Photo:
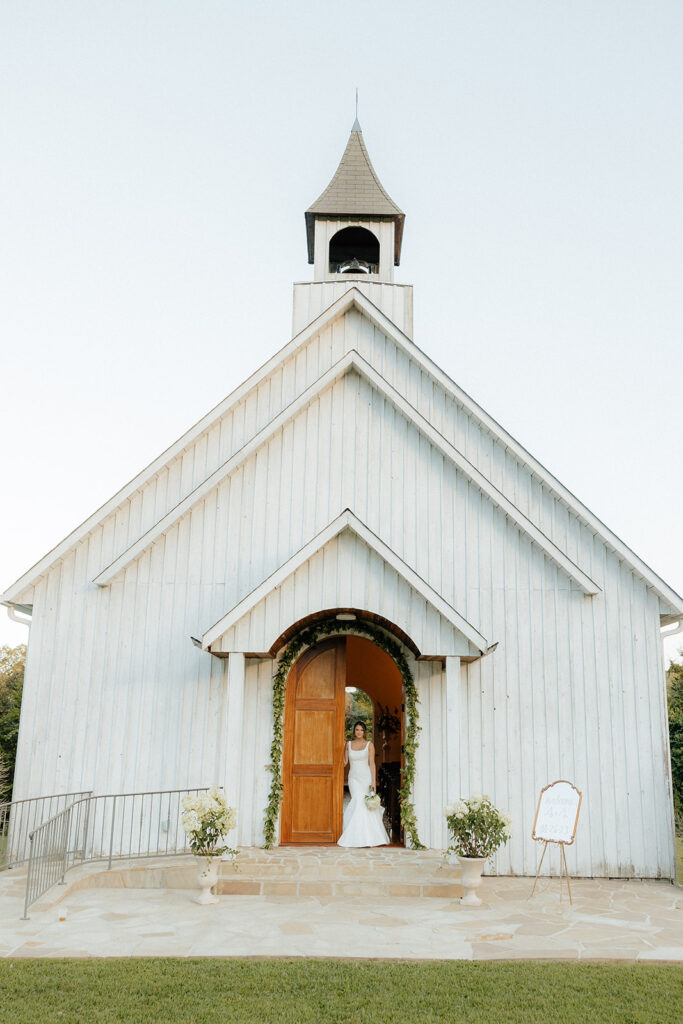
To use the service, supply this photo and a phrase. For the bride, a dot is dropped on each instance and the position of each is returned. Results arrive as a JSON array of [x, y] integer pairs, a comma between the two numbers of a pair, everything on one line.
[[362, 827]]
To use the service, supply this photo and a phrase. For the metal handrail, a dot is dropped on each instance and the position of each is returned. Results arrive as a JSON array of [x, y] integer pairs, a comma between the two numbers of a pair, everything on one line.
[[19, 818], [115, 826]]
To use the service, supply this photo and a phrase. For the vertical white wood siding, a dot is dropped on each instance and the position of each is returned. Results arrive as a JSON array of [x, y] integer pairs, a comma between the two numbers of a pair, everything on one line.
[[311, 298], [116, 696]]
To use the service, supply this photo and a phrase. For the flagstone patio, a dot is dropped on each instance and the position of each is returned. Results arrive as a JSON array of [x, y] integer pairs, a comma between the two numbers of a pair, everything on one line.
[[357, 909]]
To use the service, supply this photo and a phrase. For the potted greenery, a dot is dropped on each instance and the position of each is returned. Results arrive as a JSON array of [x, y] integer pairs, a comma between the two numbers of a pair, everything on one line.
[[476, 829], [206, 819]]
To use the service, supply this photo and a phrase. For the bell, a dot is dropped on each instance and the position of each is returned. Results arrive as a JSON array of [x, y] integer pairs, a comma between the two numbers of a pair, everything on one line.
[[354, 266]]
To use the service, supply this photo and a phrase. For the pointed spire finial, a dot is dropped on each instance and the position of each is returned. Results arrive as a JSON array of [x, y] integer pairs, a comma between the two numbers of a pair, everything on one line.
[[356, 123]]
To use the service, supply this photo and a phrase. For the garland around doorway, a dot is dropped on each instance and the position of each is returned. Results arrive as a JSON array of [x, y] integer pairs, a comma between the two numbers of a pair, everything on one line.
[[308, 638]]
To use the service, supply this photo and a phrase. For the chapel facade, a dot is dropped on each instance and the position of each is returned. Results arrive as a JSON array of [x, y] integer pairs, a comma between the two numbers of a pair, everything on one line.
[[350, 492]]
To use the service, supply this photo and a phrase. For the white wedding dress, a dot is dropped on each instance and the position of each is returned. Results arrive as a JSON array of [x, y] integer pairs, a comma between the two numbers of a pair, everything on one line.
[[362, 827]]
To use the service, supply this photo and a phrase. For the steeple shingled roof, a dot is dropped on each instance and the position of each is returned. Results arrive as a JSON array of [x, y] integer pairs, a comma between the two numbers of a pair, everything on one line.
[[355, 191]]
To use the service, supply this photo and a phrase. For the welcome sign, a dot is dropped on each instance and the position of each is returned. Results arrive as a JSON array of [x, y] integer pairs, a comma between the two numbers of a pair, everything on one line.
[[557, 813]]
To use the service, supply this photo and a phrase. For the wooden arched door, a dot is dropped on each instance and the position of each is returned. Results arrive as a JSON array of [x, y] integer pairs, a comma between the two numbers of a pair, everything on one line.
[[313, 754]]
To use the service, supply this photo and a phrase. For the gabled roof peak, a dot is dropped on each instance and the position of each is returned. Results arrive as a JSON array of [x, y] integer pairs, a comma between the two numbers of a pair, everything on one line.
[[355, 191]]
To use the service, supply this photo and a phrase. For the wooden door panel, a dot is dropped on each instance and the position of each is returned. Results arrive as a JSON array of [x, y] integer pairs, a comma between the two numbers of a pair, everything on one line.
[[312, 805], [317, 678], [312, 763], [314, 737]]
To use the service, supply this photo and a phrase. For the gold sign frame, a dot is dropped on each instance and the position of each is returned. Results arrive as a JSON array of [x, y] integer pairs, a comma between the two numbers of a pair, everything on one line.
[[558, 842]]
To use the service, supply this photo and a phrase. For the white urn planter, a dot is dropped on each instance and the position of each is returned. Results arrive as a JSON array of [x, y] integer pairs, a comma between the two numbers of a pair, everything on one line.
[[472, 868], [207, 879]]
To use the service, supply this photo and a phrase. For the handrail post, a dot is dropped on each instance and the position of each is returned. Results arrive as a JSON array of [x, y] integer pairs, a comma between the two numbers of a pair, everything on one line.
[[111, 837], [28, 877], [4, 830], [67, 833], [86, 829]]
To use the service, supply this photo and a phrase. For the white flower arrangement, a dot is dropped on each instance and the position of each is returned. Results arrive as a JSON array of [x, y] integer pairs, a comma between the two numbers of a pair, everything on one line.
[[456, 810], [206, 819], [372, 801], [476, 827]]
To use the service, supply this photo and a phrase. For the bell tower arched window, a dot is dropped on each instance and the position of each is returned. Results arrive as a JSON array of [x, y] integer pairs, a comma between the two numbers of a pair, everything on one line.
[[354, 250]]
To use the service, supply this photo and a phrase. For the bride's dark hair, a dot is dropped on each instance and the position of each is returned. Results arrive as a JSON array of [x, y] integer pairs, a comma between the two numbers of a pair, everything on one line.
[[363, 727]]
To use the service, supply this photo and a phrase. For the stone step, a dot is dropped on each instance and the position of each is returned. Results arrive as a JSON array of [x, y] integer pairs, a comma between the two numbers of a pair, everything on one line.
[[333, 889], [321, 872]]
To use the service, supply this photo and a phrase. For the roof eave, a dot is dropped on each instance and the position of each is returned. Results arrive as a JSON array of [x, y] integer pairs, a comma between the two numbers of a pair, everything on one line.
[[310, 235], [398, 238]]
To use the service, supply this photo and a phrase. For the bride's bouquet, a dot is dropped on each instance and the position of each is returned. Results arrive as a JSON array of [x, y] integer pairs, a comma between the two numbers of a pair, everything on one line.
[[372, 801]]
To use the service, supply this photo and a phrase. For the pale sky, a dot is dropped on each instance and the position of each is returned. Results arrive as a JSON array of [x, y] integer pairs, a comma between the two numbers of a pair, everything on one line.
[[156, 159]]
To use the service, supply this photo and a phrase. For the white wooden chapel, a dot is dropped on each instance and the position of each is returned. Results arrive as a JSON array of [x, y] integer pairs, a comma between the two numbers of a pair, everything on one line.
[[350, 476]]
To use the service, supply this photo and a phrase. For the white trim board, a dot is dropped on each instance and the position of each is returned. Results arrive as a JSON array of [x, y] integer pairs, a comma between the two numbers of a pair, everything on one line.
[[354, 361], [346, 521]]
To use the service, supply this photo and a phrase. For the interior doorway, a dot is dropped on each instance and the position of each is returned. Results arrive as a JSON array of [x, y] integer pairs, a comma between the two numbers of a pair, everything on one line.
[[372, 672], [315, 728]]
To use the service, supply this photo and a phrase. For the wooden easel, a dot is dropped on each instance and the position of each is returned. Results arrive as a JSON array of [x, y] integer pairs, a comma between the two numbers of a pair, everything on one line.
[[558, 820], [566, 871]]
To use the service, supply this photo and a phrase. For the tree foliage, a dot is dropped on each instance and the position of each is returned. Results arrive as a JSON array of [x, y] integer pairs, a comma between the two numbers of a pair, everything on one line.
[[359, 709], [674, 687], [12, 663]]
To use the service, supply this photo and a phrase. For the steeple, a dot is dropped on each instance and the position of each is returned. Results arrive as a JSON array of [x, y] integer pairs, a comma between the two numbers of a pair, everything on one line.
[[367, 224], [354, 232]]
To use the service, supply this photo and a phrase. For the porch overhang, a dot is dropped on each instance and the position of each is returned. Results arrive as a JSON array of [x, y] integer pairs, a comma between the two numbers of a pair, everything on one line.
[[346, 567]]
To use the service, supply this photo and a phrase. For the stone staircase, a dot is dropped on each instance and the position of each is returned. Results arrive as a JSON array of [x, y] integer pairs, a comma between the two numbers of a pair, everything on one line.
[[324, 872], [332, 873]]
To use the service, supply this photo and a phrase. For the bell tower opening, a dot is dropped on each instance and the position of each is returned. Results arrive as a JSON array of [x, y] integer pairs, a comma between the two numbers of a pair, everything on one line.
[[354, 251]]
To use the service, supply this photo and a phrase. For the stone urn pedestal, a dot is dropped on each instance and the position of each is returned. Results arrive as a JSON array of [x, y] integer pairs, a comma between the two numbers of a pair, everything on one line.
[[471, 868], [207, 879]]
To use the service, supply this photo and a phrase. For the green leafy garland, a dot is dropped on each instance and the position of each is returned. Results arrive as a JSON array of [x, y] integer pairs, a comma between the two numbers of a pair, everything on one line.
[[308, 638]]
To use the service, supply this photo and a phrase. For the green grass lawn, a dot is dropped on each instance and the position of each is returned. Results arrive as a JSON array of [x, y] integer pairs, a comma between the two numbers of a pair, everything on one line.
[[679, 858], [166, 991]]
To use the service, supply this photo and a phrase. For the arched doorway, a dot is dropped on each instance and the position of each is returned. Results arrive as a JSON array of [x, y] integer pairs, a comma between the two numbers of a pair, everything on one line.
[[314, 733]]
